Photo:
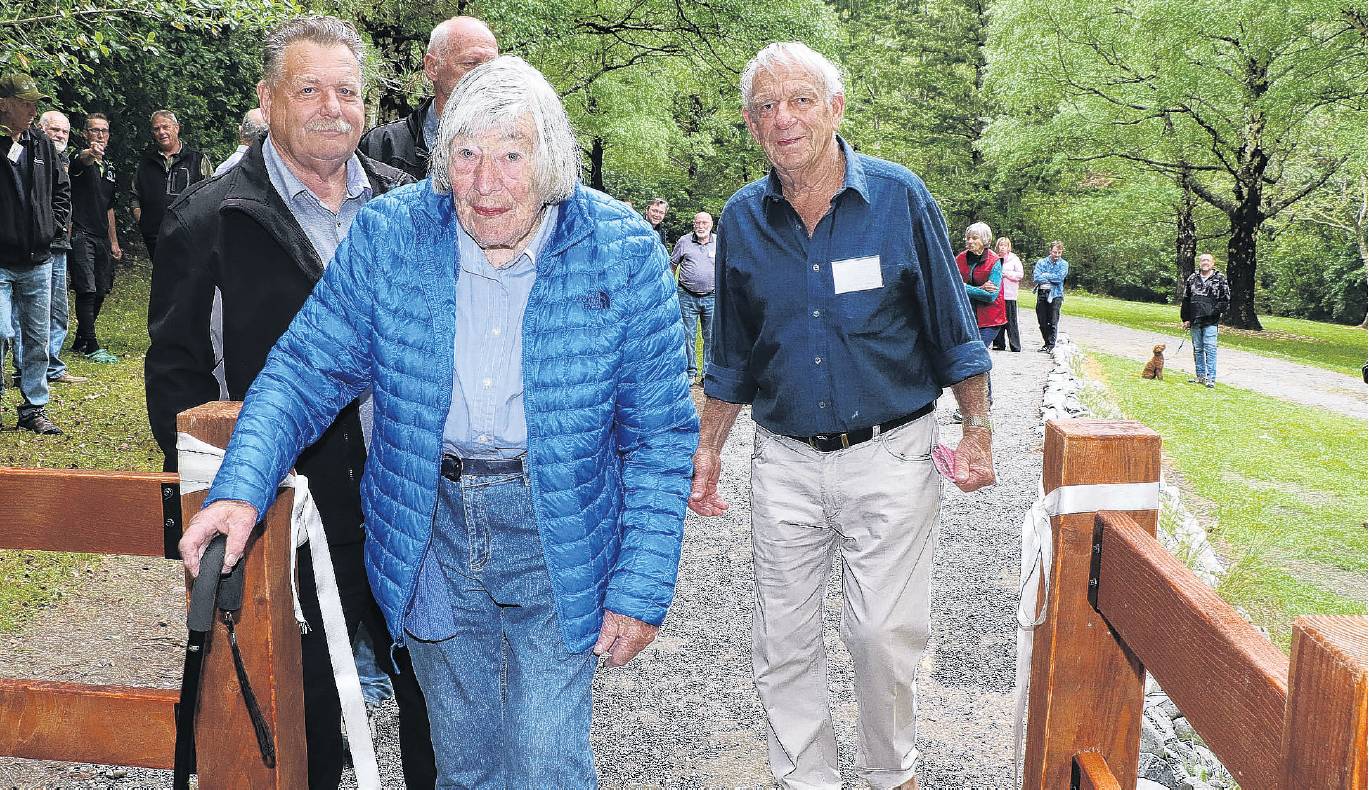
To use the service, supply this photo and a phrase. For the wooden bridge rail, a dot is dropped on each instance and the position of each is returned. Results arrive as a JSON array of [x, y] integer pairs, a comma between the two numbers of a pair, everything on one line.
[[1272, 724], [126, 513]]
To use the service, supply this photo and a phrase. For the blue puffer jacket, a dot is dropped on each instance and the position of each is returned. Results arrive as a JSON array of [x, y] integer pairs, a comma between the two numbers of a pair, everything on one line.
[[611, 428]]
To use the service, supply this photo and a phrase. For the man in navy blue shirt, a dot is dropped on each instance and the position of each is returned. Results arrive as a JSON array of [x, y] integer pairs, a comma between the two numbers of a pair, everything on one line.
[[840, 318]]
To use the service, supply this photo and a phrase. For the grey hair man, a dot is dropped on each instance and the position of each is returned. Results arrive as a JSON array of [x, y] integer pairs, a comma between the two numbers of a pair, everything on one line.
[[840, 318], [57, 127], [252, 128], [455, 46], [518, 529], [259, 238], [166, 169], [692, 264]]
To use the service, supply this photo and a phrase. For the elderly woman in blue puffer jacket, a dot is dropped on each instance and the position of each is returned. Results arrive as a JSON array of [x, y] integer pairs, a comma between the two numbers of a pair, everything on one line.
[[530, 460]]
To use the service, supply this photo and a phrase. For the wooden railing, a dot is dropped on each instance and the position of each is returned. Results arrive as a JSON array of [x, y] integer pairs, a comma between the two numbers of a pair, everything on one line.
[[1120, 605], [127, 513]]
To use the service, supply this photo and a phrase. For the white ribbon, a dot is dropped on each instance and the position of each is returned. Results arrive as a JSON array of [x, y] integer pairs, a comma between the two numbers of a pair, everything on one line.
[[1037, 549], [198, 463]]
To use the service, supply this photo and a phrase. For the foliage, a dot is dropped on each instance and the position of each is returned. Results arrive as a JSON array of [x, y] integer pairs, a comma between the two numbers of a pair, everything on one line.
[[1288, 497], [1248, 104]]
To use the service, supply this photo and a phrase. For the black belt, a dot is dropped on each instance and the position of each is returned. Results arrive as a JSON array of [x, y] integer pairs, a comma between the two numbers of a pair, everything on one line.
[[695, 293], [453, 467], [830, 442]]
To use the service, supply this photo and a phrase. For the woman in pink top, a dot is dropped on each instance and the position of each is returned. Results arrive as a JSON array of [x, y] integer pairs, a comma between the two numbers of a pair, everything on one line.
[[1012, 275]]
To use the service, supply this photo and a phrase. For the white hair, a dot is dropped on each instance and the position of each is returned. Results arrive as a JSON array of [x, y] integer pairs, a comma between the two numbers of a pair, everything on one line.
[[326, 31], [498, 96], [167, 114], [46, 118], [981, 231], [793, 53]]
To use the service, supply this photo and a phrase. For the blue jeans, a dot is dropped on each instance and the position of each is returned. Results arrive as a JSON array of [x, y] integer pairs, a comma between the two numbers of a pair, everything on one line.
[[57, 330], [1205, 351], [25, 311], [508, 703], [375, 684], [693, 310]]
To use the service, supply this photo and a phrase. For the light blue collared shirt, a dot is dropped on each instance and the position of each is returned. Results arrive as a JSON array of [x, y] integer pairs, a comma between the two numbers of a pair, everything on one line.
[[486, 418], [324, 229]]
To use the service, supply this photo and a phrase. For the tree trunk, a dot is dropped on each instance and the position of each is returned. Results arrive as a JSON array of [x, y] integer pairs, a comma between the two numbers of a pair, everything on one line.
[[1240, 273], [1185, 240], [596, 164]]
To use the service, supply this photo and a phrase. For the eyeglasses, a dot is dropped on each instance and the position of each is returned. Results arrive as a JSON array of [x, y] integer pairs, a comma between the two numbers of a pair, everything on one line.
[[97, 132]]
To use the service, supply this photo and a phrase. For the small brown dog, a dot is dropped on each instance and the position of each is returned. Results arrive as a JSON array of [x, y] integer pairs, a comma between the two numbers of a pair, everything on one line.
[[1155, 368]]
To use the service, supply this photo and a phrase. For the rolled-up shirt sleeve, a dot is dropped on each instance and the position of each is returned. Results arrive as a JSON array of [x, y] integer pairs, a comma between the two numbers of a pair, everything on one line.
[[727, 376], [954, 348]]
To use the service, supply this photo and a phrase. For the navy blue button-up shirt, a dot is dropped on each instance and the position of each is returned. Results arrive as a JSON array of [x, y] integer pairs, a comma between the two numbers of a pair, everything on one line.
[[865, 321]]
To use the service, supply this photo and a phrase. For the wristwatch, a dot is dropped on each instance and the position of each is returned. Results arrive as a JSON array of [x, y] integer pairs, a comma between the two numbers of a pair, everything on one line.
[[978, 421]]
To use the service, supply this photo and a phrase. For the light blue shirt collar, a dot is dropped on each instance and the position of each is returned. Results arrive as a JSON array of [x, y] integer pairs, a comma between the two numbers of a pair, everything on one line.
[[291, 187]]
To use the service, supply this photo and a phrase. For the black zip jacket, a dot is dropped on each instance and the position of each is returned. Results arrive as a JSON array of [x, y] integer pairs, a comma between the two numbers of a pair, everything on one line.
[[1205, 301], [29, 227], [235, 234], [400, 144], [156, 184]]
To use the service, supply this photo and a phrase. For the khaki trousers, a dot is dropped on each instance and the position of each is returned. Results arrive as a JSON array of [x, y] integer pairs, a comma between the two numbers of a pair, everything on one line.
[[876, 506]]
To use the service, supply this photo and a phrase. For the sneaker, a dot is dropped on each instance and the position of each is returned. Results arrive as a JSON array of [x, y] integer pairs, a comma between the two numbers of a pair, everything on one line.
[[102, 356], [67, 378], [1197, 380], [1210, 384], [36, 420]]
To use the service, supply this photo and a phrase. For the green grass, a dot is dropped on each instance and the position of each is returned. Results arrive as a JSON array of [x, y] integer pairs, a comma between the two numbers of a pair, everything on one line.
[[1287, 485], [105, 425], [1330, 346]]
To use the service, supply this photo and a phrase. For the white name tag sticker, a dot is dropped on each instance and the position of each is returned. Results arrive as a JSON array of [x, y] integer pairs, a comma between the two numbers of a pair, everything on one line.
[[16, 151], [857, 274]]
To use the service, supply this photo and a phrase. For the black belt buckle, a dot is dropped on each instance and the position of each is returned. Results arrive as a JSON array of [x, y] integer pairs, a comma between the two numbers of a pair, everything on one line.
[[451, 467]]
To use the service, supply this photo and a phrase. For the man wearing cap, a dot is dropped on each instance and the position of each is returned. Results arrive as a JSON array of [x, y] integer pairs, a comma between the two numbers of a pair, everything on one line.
[[35, 203], [455, 46], [166, 169]]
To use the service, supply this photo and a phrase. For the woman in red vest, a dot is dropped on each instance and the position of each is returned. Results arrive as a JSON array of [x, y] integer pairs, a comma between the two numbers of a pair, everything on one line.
[[982, 272]]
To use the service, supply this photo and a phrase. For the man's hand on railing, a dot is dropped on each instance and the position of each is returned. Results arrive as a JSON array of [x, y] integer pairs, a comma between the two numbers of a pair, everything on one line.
[[234, 519]]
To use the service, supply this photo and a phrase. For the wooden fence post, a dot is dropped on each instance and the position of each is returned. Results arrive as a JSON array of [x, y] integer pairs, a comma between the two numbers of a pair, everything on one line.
[[269, 639], [1087, 689], [1324, 726]]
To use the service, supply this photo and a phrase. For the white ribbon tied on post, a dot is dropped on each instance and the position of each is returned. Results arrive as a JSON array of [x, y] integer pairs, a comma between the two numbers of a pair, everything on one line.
[[198, 463], [1037, 549]]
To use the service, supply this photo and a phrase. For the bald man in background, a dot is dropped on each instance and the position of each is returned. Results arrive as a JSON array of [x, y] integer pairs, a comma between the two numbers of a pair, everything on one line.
[[455, 46]]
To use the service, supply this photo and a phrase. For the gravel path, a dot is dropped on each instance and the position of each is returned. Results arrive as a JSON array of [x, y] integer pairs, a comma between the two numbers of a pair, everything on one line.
[[1279, 378], [684, 714]]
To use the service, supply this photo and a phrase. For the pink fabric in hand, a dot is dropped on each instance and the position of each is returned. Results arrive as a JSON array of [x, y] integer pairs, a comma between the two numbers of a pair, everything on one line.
[[943, 457]]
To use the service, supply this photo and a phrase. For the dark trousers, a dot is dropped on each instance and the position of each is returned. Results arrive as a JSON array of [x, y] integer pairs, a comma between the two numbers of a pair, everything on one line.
[[322, 708], [90, 273], [1009, 329], [150, 241], [1048, 318]]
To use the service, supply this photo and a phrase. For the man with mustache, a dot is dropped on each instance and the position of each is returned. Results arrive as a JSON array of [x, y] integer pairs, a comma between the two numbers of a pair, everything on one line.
[[167, 168], [258, 238]]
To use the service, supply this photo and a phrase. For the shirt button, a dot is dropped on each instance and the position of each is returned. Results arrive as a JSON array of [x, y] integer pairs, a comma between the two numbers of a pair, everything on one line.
[[482, 438], [488, 383], [816, 267], [817, 313], [495, 331], [822, 404], [817, 360]]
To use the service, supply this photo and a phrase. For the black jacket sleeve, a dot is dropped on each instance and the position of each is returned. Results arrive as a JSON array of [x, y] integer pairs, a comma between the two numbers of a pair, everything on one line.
[[61, 196], [179, 371]]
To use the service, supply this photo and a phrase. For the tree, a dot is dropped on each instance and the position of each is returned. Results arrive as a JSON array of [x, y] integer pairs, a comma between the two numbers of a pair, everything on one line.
[[1243, 103]]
